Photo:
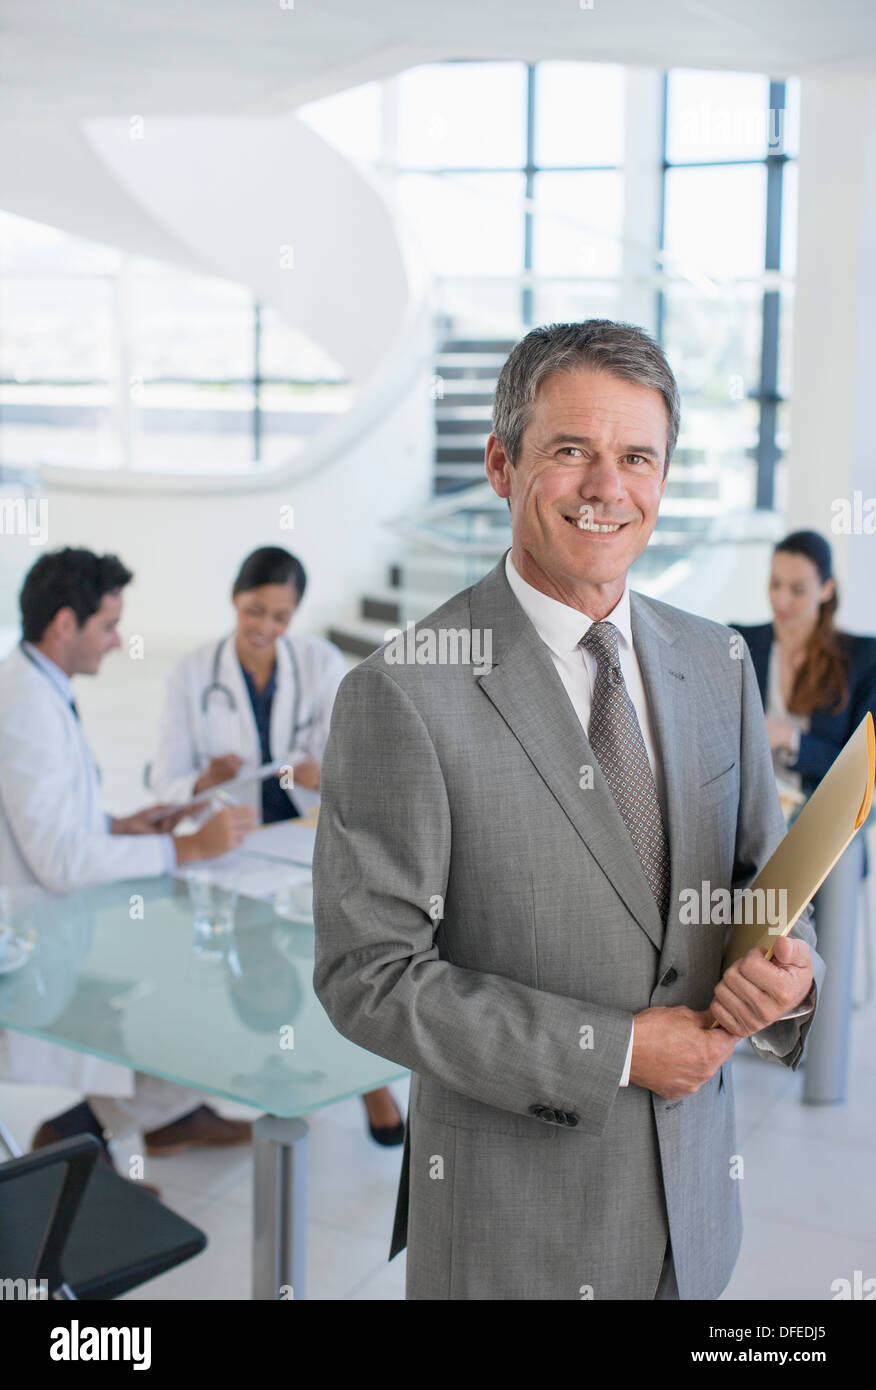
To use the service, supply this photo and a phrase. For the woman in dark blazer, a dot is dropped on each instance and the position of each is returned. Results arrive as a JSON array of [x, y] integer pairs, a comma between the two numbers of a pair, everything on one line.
[[816, 682]]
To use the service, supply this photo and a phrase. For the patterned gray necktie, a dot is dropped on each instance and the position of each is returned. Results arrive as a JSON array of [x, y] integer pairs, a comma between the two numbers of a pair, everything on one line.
[[616, 739]]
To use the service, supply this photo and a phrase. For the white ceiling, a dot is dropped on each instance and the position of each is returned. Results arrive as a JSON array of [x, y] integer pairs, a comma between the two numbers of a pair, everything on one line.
[[176, 57]]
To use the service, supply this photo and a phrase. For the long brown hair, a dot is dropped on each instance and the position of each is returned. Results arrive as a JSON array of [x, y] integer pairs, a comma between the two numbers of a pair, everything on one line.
[[822, 680]]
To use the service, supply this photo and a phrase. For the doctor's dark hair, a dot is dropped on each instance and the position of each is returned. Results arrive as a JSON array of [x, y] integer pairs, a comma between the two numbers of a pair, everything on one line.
[[621, 349], [68, 578], [270, 565]]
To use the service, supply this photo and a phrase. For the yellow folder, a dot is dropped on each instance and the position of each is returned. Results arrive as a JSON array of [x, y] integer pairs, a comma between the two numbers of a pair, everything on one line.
[[831, 818]]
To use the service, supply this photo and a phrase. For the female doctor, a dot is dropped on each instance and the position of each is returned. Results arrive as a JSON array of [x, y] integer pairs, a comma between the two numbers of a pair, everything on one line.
[[258, 695]]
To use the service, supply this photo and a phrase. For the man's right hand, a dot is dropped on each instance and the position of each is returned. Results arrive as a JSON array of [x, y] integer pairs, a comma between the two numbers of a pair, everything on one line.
[[676, 1050], [221, 833], [220, 770]]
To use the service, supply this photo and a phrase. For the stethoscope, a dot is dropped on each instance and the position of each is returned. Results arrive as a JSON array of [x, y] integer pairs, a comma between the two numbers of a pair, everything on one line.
[[216, 687]]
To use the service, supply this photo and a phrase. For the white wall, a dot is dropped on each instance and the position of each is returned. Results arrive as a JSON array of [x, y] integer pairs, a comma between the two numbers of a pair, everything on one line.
[[833, 443]]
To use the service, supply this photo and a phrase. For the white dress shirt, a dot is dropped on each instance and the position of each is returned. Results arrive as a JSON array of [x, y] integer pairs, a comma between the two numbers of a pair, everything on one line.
[[775, 706], [561, 629]]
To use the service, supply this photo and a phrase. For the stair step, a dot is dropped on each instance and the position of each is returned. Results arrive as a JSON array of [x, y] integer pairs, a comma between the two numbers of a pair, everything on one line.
[[360, 638], [395, 605], [470, 345], [456, 419], [469, 363], [463, 441]]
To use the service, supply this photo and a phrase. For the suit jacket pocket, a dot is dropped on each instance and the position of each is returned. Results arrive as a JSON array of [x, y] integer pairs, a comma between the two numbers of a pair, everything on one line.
[[712, 781]]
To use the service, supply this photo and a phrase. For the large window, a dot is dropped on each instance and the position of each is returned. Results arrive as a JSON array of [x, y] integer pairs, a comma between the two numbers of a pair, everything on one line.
[[559, 190], [510, 176], [111, 361], [729, 223]]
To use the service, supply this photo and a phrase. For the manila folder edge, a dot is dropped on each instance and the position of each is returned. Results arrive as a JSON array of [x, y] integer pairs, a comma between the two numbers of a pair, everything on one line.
[[834, 813]]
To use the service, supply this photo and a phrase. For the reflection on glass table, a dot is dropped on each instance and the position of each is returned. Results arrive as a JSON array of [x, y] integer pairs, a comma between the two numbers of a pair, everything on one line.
[[122, 971]]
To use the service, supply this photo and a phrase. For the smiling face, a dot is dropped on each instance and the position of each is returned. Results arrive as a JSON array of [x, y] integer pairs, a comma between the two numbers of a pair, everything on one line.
[[587, 485], [263, 615]]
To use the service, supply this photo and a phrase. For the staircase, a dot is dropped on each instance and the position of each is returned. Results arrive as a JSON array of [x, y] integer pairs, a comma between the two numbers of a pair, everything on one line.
[[460, 536]]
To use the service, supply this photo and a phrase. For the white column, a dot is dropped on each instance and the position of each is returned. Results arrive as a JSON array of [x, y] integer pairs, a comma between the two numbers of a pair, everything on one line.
[[833, 406]]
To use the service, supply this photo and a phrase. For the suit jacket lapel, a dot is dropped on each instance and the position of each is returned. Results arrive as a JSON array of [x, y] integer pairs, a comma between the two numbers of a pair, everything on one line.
[[525, 688]]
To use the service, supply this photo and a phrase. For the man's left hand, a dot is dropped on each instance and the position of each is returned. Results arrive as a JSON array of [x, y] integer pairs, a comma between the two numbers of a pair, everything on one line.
[[755, 992]]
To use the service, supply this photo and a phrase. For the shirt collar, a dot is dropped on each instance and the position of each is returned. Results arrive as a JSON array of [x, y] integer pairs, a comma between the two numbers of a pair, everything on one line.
[[59, 678], [559, 626]]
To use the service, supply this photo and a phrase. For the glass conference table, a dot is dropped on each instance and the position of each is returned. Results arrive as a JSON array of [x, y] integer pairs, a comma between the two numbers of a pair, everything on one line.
[[118, 971]]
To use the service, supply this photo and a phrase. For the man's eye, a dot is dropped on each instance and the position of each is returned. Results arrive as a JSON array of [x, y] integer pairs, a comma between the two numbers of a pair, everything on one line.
[[638, 458], [570, 449]]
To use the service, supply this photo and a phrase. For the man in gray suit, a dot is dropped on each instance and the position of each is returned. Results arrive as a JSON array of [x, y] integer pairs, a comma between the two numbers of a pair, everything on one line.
[[508, 847]]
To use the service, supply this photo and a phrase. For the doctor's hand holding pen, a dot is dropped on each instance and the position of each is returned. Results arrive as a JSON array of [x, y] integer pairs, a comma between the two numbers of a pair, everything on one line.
[[223, 832]]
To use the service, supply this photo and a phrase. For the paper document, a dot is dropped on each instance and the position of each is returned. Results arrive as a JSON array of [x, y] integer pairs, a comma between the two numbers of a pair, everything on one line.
[[243, 779], [251, 875], [288, 841], [832, 816]]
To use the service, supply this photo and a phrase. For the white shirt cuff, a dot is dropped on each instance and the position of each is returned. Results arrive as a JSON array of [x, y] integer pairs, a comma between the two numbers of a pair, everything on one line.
[[625, 1077]]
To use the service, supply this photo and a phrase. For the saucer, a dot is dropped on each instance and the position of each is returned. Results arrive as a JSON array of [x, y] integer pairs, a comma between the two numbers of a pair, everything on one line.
[[14, 957]]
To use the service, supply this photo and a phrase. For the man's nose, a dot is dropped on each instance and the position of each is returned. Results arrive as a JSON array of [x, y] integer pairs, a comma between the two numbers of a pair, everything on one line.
[[602, 482]]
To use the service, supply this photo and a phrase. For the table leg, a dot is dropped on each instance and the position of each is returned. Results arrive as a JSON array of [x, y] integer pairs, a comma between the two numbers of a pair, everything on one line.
[[279, 1208]]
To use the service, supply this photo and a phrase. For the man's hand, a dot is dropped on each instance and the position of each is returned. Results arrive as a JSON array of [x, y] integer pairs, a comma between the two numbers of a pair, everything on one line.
[[676, 1051], [220, 770], [223, 832], [756, 992], [151, 821]]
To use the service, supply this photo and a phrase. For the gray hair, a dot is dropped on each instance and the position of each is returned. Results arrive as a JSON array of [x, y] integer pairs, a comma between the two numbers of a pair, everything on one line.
[[619, 348]]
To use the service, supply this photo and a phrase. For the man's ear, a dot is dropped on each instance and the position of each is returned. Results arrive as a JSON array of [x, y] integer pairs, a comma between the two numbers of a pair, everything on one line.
[[63, 625]]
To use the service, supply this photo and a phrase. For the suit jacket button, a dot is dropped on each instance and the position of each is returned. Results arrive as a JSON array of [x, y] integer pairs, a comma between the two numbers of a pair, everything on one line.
[[670, 977], [549, 1116], [536, 1110], [572, 1120]]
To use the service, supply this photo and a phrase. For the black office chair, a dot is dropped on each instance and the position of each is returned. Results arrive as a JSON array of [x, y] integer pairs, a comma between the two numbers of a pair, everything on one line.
[[73, 1221]]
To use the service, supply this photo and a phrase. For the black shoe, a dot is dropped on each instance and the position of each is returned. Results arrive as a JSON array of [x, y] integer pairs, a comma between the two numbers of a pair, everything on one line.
[[387, 1135]]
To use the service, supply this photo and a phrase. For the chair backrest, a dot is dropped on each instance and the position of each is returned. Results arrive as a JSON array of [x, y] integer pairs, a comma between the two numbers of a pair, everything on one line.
[[40, 1194]]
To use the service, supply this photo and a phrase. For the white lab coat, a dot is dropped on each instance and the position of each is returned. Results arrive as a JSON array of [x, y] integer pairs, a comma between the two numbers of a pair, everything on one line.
[[53, 835], [189, 736]]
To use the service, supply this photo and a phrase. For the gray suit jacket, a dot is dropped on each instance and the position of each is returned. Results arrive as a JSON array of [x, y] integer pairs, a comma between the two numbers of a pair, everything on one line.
[[483, 919]]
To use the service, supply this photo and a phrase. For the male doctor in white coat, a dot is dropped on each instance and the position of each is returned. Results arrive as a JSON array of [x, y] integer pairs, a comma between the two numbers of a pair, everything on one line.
[[55, 834]]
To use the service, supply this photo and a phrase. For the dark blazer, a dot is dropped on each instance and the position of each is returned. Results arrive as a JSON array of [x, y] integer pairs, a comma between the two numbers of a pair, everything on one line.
[[828, 732]]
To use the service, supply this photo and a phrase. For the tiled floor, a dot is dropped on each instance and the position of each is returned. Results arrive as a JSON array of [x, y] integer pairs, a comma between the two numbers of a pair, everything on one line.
[[808, 1193]]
